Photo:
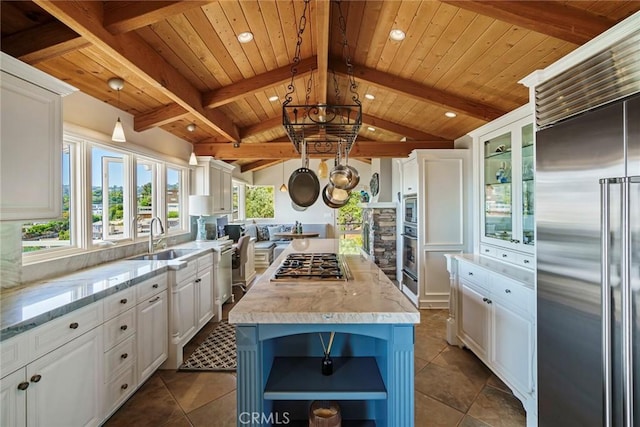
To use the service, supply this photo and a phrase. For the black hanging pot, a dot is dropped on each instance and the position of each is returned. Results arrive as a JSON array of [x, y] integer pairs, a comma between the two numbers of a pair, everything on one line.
[[304, 186]]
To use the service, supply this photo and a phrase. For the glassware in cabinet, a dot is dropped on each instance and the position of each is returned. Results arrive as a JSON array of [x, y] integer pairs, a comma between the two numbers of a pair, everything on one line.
[[498, 222], [528, 188]]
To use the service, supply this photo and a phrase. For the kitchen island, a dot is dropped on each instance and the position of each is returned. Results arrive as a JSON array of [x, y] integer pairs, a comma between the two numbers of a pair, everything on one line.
[[278, 329]]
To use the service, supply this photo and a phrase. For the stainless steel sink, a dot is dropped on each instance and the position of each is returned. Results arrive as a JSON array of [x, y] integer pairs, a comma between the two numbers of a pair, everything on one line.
[[164, 255]]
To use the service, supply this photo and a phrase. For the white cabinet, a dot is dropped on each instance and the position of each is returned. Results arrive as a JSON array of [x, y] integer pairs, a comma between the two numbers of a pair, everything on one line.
[[474, 318], [61, 388], [505, 159], [153, 334], [213, 177], [191, 305], [443, 181], [30, 142], [409, 176], [493, 315], [66, 384], [204, 290]]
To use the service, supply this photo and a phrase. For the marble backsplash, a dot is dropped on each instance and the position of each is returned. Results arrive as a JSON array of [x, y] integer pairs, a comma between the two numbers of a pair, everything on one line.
[[13, 273]]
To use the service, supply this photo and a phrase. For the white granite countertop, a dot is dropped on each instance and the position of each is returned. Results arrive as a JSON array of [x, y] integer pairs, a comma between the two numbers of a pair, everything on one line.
[[369, 297], [522, 275], [25, 307]]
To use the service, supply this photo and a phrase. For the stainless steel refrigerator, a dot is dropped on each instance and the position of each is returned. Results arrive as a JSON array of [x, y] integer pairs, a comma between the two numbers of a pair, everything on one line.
[[588, 266]]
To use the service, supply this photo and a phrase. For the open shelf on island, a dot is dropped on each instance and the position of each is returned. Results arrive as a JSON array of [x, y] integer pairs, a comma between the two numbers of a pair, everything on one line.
[[300, 378]]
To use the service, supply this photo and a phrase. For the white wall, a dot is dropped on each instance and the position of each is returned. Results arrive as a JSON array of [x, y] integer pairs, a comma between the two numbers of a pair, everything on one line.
[[316, 213], [82, 110]]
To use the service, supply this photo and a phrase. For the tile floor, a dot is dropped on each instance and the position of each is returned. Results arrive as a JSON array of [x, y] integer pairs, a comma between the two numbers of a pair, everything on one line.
[[452, 388]]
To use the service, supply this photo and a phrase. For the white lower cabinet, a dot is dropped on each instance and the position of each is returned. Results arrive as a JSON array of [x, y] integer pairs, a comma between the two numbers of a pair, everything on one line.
[[62, 388], [493, 315], [191, 305], [474, 318], [153, 333]]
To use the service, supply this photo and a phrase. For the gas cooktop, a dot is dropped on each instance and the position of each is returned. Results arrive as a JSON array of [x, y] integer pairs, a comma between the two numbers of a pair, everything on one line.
[[311, 266]]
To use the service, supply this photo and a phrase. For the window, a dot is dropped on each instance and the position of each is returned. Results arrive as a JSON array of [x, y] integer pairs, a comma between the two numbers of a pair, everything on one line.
[[123, 192], [145, 196], [259, 201], [108, 195], [174, 200], [58, 233]]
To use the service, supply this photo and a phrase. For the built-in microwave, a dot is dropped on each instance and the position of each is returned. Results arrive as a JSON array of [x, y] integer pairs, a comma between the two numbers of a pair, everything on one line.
[[411, 210]]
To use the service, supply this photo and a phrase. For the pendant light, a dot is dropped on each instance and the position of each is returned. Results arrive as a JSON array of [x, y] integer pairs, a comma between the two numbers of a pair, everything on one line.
[[116, 83], [193, 161], [283, 187], [323, 170]]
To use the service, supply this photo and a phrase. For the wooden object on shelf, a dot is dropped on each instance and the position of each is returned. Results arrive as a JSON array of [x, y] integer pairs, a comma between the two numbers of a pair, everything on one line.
[[324, 413]]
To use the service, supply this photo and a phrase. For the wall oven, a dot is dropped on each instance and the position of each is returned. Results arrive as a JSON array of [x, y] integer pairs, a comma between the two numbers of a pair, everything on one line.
[[410, 262]]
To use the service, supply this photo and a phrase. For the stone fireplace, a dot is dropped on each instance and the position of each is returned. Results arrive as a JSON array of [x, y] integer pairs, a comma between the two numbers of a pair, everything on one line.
[[380, 235]]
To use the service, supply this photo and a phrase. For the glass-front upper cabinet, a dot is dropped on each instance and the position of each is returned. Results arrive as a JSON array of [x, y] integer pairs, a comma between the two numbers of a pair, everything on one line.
[[507, 163], [498, 165], [528, 167]]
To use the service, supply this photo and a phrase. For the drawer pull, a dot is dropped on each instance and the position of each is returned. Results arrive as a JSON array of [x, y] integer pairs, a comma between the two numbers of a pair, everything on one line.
[[485, 299], [36, 378], [155, 286], [507, 291], [489, 301], [504, 255], [123, 301], [23, 385], [123, 327], [74, 325], [470, 273], [198, 280], [487, 250], [154, 300], [124, 386], [526, 261], [124, 355]]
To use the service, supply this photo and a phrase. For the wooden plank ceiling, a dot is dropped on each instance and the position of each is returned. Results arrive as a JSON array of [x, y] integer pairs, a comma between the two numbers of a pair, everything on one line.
[[182, 63]]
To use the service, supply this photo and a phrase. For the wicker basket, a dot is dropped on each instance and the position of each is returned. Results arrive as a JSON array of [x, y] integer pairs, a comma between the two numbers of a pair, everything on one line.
[[324, 413]]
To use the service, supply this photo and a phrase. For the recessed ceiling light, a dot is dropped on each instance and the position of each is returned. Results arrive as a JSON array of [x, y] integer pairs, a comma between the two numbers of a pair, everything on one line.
[[273, 98], [245, 37], [369, 96], [397, 35], [371, 128], [191, 127], [450, 114]]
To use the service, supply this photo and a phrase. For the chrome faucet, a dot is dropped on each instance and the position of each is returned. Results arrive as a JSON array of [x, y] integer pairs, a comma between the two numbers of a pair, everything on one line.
[[151, 242]]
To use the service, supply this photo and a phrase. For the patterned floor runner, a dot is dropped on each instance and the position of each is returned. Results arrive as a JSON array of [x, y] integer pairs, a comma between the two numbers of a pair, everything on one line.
[[216, 353]]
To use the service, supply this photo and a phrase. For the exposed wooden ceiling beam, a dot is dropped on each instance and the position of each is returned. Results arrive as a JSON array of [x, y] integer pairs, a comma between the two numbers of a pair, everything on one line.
[[85, 18], [258, 165], [248, 87], [322, 21], [286, 150], [379, 123], [263, 126], [158, 117], [420, 92], [124, 16], [43, 42], [553, 18]]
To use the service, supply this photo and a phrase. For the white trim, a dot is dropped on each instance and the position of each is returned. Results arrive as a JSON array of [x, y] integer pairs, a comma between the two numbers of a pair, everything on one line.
[[505, 120]]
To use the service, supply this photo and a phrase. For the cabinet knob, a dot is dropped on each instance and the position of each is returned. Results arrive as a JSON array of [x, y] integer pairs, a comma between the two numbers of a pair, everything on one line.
[[23, 385], [489, 301], [124, 386], [124, 355], [36, 378], [123, 301], [198, 280], [485, 299], [504, 255], [507, 291], [155, 286], [470, 273], [526, 261], [123, 327], [486, 250], [74, 325]]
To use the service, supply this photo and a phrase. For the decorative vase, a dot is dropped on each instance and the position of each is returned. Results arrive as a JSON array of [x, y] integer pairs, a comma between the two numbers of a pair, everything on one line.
[[327, 365]]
